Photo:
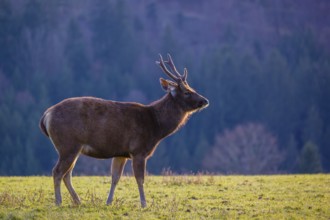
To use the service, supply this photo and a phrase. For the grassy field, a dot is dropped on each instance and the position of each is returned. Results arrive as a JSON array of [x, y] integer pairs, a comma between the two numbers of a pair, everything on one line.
[[172, 197]]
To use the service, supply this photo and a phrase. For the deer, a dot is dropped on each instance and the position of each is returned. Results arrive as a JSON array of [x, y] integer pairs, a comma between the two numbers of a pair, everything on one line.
[[122, 131]]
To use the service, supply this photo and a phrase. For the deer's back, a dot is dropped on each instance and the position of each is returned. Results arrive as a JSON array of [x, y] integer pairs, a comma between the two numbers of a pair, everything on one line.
[[99, 124]]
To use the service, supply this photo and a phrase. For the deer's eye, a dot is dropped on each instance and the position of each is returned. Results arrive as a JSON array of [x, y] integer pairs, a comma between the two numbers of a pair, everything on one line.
[[187, 94]]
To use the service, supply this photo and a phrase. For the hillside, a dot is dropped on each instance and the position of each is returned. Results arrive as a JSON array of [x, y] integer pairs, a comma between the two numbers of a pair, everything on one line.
[[262, 64]]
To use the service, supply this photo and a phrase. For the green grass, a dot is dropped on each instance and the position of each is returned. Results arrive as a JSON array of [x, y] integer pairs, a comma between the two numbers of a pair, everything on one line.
[[172, 197]]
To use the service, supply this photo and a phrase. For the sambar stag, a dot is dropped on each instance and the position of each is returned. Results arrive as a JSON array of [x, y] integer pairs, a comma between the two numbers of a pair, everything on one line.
[[120, 130]]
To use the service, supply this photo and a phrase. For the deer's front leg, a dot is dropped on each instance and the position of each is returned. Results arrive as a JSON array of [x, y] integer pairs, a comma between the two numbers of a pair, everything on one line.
[[139, 166]]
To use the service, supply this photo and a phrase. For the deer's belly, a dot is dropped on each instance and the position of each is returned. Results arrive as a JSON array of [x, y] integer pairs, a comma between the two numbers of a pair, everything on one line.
[[103, 153]]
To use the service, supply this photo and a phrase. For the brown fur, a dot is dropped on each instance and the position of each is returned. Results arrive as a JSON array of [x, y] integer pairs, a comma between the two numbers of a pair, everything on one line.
[[108, 129]]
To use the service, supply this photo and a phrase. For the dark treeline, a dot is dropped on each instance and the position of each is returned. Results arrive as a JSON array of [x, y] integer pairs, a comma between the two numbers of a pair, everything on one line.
[[264, 65]]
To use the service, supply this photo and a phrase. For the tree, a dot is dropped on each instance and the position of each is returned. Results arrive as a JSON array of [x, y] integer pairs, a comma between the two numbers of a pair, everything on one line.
[[75, 52], [277, 108], [169, 44], [8, 38], [33, 15], [309, 160], [247, 149], [312, 127], [114, 47], [291, 154]]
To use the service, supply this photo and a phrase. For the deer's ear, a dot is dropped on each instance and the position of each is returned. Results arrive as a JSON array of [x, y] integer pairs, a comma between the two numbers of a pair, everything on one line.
[[168, 86]]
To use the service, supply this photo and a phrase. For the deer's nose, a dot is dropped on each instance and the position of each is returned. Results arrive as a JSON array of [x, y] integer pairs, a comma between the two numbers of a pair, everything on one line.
[[203, 103]]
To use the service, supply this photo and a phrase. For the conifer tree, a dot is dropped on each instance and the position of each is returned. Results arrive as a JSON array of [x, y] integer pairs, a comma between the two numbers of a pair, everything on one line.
[[309, 160]]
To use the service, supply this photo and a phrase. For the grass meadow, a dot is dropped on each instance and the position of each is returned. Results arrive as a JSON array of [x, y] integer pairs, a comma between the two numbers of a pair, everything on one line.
[[172, 197]]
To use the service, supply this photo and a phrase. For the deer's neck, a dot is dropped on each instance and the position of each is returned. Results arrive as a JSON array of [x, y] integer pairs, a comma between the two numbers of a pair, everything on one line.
[[168, 115]]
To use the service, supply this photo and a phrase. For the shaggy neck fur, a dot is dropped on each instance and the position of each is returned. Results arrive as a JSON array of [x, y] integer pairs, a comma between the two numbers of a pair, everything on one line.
[[169, 115]]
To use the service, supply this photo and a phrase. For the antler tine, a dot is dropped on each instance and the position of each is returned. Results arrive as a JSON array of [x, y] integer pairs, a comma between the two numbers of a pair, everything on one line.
[[185, 75], [171, 63], [165, 70]]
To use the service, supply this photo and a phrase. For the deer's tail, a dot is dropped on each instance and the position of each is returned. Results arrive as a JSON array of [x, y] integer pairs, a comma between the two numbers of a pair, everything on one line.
[[42, 125]]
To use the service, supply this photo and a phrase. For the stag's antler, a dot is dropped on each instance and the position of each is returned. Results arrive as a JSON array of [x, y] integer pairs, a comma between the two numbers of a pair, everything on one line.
[[177, 77], [185, 72], [165, 70]]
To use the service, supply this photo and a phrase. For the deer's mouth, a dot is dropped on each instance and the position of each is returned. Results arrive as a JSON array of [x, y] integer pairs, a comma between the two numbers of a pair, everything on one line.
[[202, 104]]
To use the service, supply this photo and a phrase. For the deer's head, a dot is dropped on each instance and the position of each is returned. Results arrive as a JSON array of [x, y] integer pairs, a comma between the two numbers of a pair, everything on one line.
[[188, 99]]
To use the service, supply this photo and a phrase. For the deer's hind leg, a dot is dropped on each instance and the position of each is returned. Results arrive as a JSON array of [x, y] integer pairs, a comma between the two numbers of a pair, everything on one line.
[[117, 167], [63, 169], [68, 184]]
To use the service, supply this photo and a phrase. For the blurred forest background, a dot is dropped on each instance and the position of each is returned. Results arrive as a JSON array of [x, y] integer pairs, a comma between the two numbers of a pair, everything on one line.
[[264, 66]]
